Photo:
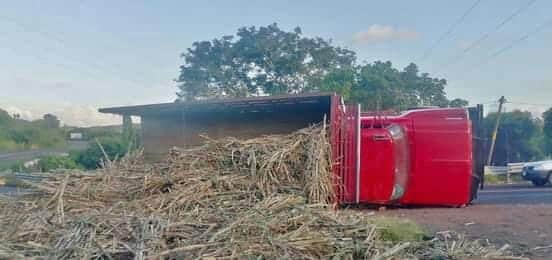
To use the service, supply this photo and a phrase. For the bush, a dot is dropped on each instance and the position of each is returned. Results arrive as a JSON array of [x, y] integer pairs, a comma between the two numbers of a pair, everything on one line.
[[19, 167], [49, 163], [92, 157]]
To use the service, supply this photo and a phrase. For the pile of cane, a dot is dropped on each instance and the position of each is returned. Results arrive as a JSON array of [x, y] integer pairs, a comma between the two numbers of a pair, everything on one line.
[[264, 198]]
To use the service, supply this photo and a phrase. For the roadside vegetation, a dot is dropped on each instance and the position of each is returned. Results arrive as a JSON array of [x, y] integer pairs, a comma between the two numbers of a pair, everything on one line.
[[17, 134], [92, 158], [97, 152], [501, 179], [521, 136], [50, 163]]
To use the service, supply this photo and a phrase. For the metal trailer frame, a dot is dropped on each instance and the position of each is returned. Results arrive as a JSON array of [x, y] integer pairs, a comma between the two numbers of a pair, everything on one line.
[[345, 141]]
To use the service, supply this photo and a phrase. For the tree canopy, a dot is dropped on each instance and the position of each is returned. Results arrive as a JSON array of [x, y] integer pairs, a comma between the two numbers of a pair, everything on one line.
[[258, 60], [379, 85], [268, 60], [518, 137], [547, 131]]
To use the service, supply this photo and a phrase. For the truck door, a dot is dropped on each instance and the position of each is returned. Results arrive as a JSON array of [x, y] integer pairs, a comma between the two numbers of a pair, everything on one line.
[[384, 164]]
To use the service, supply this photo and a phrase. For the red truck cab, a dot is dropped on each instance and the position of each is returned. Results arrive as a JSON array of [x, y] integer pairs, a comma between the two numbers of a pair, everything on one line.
[[420, 157], [385, 164]]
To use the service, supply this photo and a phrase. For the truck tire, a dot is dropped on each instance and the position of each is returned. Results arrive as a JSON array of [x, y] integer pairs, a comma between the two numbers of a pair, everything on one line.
[[540, 182]]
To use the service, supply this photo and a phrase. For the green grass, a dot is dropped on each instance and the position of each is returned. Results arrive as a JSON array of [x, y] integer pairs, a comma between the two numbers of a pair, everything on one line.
[[494, 179], [501, 179], [399, 230], [7, 165]]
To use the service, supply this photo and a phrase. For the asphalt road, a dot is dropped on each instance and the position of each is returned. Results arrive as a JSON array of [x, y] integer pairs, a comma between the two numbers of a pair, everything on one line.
[[515, 194]]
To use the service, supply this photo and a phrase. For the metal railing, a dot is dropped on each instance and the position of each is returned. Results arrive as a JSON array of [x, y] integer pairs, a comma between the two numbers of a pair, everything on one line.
[[512, 168], [509, 170], [515, 168]]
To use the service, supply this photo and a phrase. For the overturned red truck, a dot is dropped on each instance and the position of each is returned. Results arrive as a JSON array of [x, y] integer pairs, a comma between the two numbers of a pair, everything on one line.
[[422, 156]]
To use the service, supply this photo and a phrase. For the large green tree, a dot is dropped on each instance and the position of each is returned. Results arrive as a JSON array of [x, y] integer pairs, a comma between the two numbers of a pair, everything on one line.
[[379, 85], [547, 131], [458, 102], [268, 61], [264, 60], [516, 138]]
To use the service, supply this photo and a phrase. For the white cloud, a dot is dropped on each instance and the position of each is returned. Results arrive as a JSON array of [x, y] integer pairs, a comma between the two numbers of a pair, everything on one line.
[[72, 115], [382, 33], [85, 116], [24, 114]]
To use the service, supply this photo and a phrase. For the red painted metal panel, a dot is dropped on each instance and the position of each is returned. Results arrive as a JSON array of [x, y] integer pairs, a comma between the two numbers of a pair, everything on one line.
[[442, 158], [440, 155], [378, 165], [344, 122], [385, 164], [431, 162]]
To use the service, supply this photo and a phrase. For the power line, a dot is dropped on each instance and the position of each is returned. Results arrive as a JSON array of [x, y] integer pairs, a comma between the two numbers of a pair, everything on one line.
[[487, 34], [450, 30], [28, 28], [33, 29], [59, 65], [530, 104], [514, 42]]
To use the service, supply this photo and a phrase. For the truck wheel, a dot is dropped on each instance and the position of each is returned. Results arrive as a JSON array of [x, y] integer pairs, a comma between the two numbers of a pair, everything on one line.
[[539, 182]]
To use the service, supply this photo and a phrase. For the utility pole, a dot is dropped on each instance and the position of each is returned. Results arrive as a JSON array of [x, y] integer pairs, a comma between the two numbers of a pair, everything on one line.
[[501, 102]]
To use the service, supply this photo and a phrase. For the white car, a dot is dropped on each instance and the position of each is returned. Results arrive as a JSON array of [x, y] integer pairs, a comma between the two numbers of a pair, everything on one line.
[[539, 173]]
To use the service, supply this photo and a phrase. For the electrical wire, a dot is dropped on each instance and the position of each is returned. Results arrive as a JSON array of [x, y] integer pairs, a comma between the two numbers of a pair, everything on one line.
[[530, 104], [514, 43], [450, 30], [486, 35], [34, 29]]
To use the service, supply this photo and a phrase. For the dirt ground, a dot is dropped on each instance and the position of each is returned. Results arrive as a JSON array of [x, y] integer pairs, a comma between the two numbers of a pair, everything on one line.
[[525, 227]]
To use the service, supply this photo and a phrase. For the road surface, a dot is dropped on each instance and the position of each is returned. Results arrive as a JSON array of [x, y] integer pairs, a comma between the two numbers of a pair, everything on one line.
[[515, 194], [519, 215]]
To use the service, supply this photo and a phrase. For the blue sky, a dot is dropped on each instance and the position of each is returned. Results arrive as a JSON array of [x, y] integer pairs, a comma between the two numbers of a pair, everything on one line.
[[70, 57]]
